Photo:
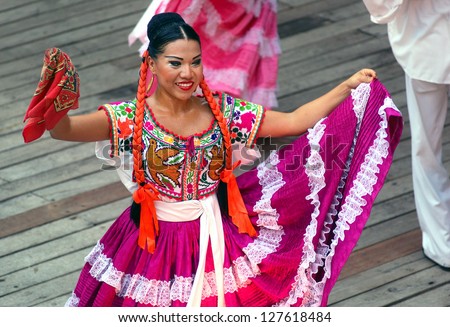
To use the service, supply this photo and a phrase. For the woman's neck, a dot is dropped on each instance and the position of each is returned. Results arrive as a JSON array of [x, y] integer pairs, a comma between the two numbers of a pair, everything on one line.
[[164, 102]]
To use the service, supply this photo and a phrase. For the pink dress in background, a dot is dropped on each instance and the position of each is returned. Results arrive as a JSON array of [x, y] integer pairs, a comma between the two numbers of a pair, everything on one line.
[[240, 43]]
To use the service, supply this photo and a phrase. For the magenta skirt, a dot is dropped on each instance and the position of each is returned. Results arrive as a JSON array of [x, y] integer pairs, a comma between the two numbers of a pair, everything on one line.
[[309, 202]]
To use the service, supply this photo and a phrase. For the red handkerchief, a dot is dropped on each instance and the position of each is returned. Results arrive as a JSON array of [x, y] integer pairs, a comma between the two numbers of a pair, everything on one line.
[[57, 93]]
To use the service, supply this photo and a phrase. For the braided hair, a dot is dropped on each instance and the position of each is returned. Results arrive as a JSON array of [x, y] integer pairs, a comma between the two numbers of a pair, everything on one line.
[[163, 29]]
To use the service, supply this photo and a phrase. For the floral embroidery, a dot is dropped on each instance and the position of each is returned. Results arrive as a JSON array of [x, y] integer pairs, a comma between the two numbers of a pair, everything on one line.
[[124, 128], [126, 110], [163, 169], [246, 120], [148, 126], [168, 139], [216, 163], [178, 169]]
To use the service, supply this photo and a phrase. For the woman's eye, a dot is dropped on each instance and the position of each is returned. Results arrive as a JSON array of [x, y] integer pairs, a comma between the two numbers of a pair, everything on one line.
[[197, 62], [175, 63]]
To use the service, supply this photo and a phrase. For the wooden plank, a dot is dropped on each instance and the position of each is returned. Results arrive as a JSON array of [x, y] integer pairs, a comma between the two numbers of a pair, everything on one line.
[[74, 28], [32, 63], [86, 63], [43, 146], [392, 292], [20, 275], [75, 152], [60, 228], [11, 126], [39, 273], [315, 79], [84, 183], [40, 13], [318, 34], [434, 297], [297, 69], [345, 12], [392, 208], [82, 240], [401, 185], [290, 101], [298, 10], [12, 5], [32, 11], [382, 252], [370, 279], [63, 208], [58, 301], [374, 233], [319, 48], [403, 167], [91, 83], [21, 203], [33, 296], [54, 184]]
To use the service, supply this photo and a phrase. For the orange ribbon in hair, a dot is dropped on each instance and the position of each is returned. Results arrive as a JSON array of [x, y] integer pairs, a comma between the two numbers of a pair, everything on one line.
[[148, 225], [236, 206]]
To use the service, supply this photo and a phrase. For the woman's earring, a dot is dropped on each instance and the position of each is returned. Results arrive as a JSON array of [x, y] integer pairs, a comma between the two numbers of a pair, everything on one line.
[[151, 83]]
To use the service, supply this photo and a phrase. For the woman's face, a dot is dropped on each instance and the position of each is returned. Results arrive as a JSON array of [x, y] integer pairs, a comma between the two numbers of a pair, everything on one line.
[[179, 68]]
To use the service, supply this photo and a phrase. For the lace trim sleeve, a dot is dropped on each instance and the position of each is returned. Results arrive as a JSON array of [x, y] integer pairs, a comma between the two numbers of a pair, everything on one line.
[[245, 120]]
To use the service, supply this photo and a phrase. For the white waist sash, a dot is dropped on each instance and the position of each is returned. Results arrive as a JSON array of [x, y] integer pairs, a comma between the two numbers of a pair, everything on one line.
[[210, 228]]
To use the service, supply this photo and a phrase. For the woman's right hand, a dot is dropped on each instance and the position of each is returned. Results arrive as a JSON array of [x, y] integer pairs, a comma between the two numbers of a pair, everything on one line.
[[365, 75]]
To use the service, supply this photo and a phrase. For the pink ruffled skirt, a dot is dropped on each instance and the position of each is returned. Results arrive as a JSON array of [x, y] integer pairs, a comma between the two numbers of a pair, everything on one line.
[[309, 202]]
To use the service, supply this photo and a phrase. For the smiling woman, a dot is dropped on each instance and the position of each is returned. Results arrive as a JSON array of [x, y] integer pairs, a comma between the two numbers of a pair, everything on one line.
[[280, 233], [240, 43], [185, 72]]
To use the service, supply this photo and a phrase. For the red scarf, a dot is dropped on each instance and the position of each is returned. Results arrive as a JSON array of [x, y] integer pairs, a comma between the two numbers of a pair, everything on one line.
[[57, 93]]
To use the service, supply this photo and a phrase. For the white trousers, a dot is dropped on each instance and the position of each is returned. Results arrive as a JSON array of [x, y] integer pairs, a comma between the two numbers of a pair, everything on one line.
[[427, 108]]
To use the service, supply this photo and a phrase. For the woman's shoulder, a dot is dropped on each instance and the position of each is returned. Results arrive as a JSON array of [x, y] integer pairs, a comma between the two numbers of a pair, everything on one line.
[[118, 105], [120, 109]]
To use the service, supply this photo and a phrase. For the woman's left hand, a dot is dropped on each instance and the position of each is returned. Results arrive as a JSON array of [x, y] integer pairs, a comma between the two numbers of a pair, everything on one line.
[[365, 75]]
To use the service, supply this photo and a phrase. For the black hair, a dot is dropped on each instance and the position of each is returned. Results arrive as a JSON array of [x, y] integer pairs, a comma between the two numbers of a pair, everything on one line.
[[162, 29], [167, 27]]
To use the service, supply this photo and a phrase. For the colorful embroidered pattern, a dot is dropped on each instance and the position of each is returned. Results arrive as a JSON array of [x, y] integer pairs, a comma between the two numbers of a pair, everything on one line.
[[246, 119], [183, 168]]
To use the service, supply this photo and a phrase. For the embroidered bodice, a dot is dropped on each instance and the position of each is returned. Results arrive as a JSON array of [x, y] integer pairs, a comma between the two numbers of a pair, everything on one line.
[[181, 168]]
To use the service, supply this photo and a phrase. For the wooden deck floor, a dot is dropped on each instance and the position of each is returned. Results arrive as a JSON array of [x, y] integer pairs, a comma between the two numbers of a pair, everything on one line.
[[55, 201]]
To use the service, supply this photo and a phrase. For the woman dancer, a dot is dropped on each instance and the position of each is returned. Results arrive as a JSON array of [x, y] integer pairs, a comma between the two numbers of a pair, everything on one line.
[[288, 224]]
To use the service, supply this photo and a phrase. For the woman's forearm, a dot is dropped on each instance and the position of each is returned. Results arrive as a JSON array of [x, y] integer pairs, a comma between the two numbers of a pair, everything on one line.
[[82, 128], [311, 112], [279, 124]]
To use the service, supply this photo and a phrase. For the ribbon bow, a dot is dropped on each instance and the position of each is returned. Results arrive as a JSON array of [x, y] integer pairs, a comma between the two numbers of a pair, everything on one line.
[[236, 206], [148, 225]]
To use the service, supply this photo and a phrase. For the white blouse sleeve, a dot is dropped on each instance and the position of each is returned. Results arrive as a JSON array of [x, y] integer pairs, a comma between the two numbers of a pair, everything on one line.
[[383, 11]]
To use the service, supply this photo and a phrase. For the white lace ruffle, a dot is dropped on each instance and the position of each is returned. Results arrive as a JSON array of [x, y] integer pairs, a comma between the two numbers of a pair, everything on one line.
[[269, 236], [162, 293], [305, 287], [72, 301]]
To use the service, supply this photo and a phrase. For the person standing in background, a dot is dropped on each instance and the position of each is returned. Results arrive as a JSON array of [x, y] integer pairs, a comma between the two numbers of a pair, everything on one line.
[[239, 39], [419, 34]]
